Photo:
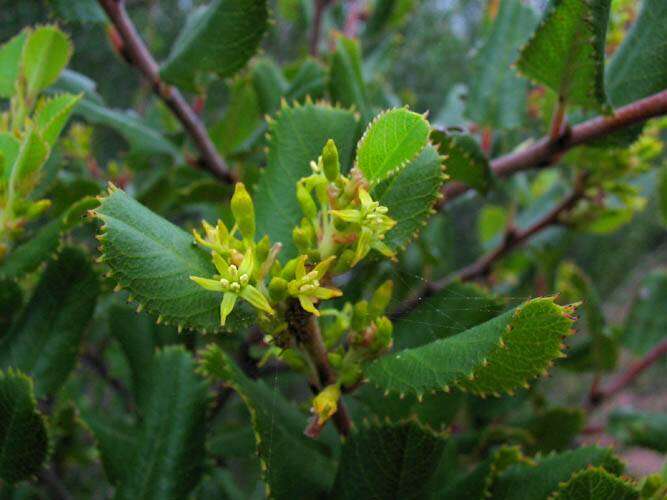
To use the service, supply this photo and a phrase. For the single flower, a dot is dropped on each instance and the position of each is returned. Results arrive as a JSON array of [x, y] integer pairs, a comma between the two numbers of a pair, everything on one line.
[[325, 404], [234, 282], [306, 285]]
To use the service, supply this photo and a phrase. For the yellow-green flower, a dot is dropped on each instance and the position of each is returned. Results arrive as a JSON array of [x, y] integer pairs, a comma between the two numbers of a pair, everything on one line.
[[234, 282], [306, 285], [325, 404], [374, 222], [216, 238]]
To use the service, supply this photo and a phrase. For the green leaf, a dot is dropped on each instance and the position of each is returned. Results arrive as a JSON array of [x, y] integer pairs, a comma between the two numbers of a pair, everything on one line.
[[522, 481], [9, 150], [52, 115], [45, 339], [309, 80], [168, 453], [24, 173], [388, 461], [292, 465], [346, 82], [241, 119], [11, 300], [599, 352], [390, 142], [662, 193], [153, 259], [497, 356], [23, 440], [80, 11], [596, 483], [44, 243], [10, 64], [635, 428], [556, 428], [269, 84], [218, 38], [141, 137], [410, 196], [566, 52], [115, 440], [497, 95], [646, 324], [465, 162], [445, 314], [639, 66], [45, 54], [476, 484], [297, 136], [434, 411], [138, 336]]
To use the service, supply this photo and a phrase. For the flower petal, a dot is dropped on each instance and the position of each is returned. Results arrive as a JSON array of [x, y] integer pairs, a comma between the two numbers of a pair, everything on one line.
[[348, 215], [308, 305], [300, 270], [256, 299], [248, 263], [326, 293], [322, 268], [226, 306], [220, 264], [213, 285]]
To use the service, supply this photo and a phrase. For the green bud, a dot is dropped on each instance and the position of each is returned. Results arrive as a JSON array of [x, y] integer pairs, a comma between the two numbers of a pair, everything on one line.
[[380, 299], [335, 359], [278, 289], [306, 201], [344, 262], [360, 315], [262, 249], [303, 236], [383, 333], [243, 211], [288, 271], [330, 163], [293, 359], [351, 374]]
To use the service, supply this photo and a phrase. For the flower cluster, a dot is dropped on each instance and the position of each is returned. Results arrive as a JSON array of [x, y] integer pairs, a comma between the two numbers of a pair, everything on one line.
[[341, 225]]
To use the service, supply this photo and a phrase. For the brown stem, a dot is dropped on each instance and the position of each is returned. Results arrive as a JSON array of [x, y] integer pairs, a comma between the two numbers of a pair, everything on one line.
[[320, 7], [129, 42], [307, 331], [557, 121], [482, 266], [628, 377], [545, 151]]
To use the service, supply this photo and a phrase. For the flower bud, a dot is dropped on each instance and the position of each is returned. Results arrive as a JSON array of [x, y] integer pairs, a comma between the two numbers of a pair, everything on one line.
[[325, 403], [380, 299], [344, 262], [351, 374], [306, 201], [303, 236], [335, 359], [278, 289], [360, 315], [330, 162], [243, 211], [383, 333]]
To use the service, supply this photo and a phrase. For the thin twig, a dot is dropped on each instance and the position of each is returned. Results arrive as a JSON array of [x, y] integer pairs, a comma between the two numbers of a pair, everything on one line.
[[628, 376], [482, 266], [132, 47], [307, 331], [557, 122], [545, 152], [318, 18]]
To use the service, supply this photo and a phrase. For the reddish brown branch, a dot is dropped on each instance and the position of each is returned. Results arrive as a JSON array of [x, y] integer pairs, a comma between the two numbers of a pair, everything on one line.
[[547, 151], [482, 266], [318, 18], [628, 376], [305, 328], [127, 40]]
